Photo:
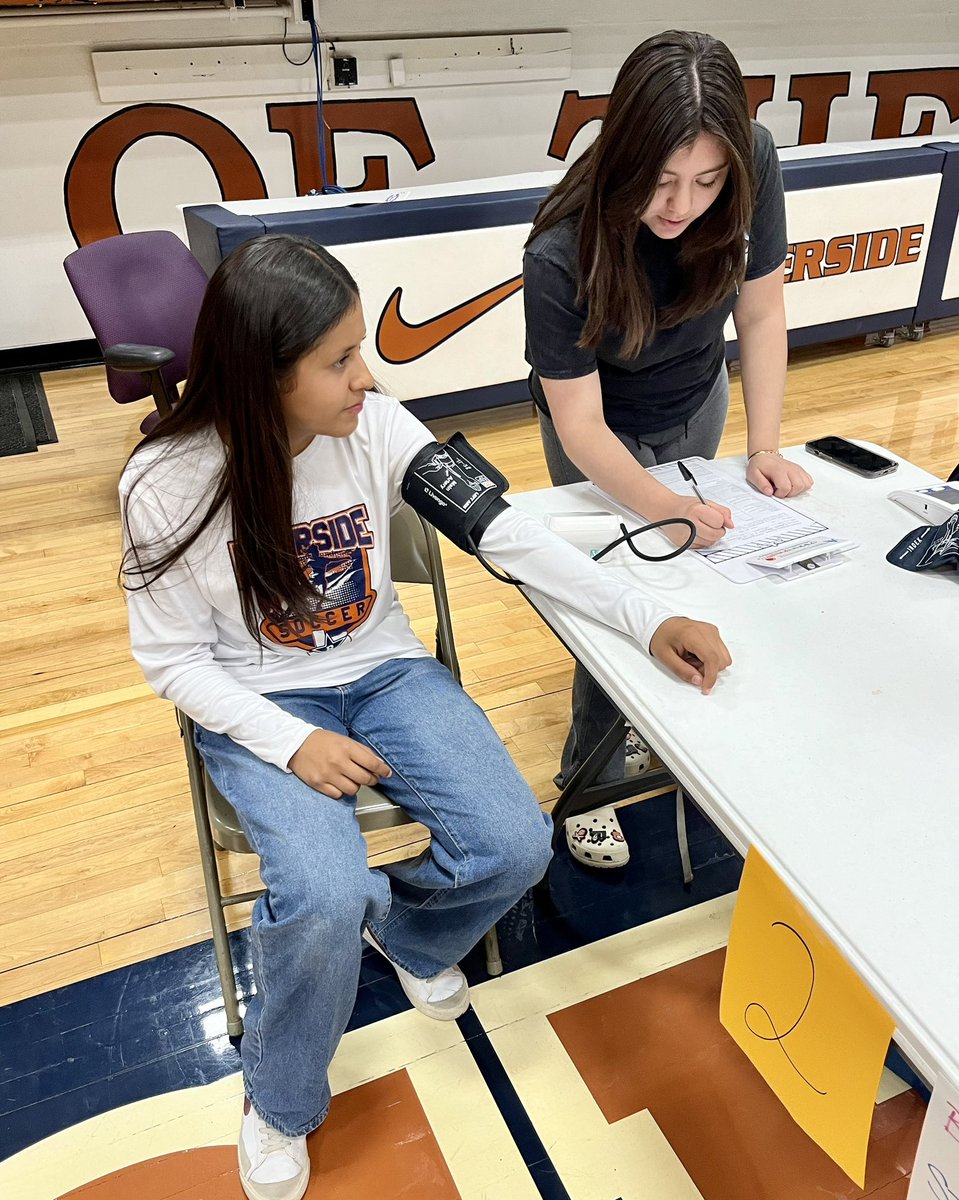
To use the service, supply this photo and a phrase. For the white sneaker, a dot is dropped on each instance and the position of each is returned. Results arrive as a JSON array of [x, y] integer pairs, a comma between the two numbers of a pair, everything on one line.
[[272, 1165], [444, 997]]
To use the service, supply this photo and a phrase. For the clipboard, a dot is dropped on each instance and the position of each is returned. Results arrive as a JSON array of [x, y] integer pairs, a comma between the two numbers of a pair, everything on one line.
[[765, 525]]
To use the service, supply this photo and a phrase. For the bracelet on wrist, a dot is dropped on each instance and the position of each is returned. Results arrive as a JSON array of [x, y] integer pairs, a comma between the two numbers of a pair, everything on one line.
[[755, 453]]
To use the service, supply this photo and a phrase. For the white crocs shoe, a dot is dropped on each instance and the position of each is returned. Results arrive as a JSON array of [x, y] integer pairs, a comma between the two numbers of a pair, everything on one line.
[[637, 755], [272, 1165], [596, 839], [444, 997]]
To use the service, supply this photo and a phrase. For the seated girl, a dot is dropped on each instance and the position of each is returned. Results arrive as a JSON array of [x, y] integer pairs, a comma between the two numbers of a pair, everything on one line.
[[257, 566]]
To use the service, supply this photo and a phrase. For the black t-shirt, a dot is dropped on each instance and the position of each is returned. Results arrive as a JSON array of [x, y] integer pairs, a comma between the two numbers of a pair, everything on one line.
[[673, 373]]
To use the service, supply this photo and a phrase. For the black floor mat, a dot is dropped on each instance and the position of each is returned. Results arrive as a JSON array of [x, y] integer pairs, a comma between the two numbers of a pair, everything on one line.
[[25, 421]]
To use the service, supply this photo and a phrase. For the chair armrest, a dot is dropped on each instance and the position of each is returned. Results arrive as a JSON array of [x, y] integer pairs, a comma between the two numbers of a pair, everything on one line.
[[126, 356]]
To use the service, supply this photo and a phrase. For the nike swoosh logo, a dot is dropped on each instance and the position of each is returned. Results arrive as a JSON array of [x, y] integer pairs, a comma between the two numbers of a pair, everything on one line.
[[400, 341]]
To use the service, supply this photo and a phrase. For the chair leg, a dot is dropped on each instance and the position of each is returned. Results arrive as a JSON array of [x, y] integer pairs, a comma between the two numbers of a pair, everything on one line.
[[681, 836], [214, 894], [221, 943], [494, 964]]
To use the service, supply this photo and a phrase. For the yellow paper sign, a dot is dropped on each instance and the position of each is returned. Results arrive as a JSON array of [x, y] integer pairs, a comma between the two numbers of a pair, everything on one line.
[[803, 1017]]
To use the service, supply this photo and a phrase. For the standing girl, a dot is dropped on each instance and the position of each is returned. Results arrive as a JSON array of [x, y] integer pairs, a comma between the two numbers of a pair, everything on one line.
[[260, 602], [671, 220]]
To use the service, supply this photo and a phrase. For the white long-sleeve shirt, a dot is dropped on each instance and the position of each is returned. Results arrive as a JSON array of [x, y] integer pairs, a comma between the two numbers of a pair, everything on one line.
[[187, 630]]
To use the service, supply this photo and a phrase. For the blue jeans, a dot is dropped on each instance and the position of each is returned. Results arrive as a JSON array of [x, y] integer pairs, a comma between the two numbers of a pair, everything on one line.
[[592, 712], [490, 843]]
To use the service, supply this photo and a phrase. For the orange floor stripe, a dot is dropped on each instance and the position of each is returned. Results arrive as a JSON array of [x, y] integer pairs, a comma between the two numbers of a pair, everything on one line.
[[657, 1044]]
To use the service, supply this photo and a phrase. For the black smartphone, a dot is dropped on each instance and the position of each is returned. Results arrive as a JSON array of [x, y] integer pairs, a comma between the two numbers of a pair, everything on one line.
[[854, 458]]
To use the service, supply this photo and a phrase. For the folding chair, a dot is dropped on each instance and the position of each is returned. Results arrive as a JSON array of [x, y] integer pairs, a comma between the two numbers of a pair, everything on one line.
[[415, 558]]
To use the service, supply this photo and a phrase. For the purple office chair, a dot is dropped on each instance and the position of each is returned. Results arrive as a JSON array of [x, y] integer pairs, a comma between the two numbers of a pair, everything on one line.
[[141, 293]]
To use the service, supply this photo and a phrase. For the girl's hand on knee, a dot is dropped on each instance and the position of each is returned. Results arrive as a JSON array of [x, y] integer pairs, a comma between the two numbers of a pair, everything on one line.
[[336, 765], [693, 650]]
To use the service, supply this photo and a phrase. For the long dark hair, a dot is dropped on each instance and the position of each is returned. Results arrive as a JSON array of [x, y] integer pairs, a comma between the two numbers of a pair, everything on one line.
[[672, 88], [268, 303]]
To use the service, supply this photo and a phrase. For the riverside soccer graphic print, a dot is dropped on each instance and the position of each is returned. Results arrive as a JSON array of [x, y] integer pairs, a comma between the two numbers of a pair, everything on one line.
[[334, 554]]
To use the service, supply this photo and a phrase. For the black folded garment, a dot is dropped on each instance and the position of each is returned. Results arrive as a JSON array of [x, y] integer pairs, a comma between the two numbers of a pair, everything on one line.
[[929, 547]]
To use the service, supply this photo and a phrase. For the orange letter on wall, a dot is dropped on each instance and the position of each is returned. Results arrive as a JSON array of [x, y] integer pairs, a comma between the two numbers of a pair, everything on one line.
[[88, 187], [816, 93], [893, 88], [575, 112], [759, 89], [398, 119]]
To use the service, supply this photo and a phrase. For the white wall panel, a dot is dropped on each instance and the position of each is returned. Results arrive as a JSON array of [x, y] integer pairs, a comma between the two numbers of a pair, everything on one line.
[[49, 101]]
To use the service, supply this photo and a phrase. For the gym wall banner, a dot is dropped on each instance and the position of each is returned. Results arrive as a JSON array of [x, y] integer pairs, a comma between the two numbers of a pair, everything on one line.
[[443, 303]]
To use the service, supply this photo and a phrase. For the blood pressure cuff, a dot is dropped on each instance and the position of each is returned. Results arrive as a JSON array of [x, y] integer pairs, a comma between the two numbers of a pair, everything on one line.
[[929, 547], [454, 488]]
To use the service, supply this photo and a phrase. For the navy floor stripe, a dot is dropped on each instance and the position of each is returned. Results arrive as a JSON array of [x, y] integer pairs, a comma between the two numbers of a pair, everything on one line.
[[517, 1120]]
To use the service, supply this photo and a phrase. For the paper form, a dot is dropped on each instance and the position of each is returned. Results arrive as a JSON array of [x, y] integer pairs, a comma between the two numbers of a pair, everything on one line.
[[761, 522], [935, 1175]]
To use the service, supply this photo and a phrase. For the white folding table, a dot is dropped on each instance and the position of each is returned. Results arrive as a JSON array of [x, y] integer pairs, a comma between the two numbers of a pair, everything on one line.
[[831, 742]]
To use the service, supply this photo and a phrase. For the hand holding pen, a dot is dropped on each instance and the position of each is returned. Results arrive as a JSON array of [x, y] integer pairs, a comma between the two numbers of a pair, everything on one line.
[[711, 519]]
